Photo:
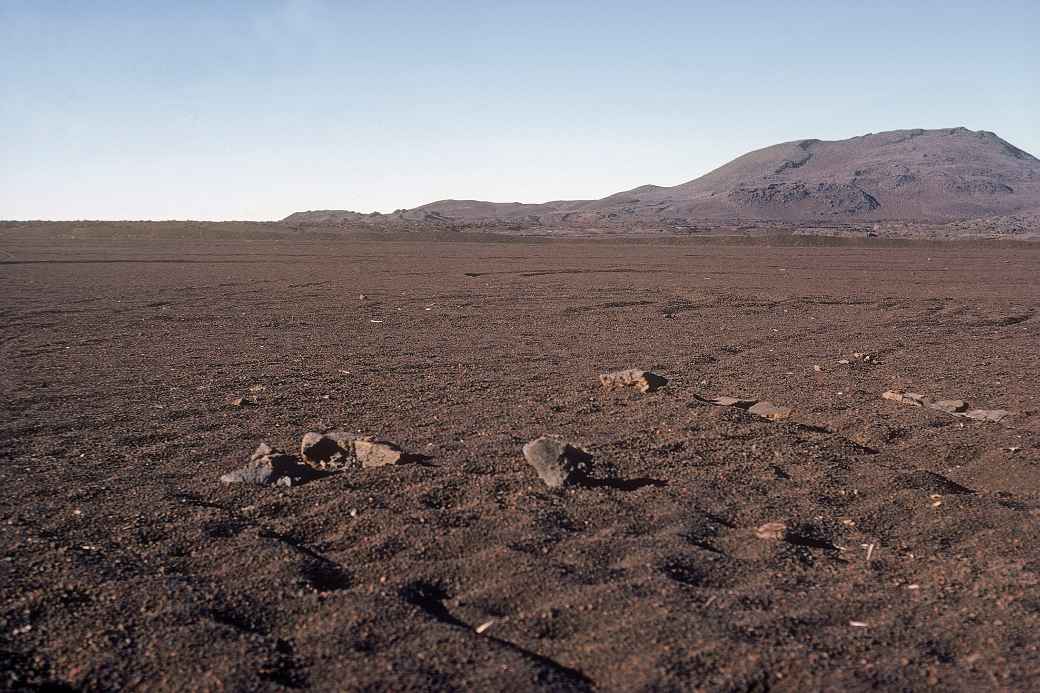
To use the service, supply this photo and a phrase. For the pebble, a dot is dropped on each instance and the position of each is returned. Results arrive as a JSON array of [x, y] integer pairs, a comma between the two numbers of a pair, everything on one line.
[[768, 410]]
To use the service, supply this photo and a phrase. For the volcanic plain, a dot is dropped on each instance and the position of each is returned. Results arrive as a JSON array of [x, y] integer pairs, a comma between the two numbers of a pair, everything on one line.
[[858, 543]]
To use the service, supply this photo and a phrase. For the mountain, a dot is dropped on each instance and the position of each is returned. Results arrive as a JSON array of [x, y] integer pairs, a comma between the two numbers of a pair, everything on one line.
[[913, 175]]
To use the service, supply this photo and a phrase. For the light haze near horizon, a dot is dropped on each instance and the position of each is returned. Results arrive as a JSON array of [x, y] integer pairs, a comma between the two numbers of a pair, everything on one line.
[[254, 110]]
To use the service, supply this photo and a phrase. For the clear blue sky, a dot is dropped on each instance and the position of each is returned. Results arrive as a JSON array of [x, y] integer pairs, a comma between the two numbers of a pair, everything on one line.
[[252, 110]]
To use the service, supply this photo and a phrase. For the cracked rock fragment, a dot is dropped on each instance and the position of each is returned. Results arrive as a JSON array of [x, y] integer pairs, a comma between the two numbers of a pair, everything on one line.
[[644, 381], [911, 398], [337, 449], [557, 462], [954, 407], [767, 410], [951, 406], [331, 449], [372, 452], [986, 414], [266, 466]]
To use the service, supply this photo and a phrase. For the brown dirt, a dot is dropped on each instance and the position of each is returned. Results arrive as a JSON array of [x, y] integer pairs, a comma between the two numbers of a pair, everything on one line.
[[126, 564]]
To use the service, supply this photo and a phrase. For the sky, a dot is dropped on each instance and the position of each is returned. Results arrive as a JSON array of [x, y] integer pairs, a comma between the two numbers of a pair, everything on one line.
[[254, 110]]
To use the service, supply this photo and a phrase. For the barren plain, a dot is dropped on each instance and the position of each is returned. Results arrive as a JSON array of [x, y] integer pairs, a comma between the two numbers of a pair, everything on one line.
[[907, 559]]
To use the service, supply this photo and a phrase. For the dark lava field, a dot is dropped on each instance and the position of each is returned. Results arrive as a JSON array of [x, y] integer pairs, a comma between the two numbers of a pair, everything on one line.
[[860, 543]]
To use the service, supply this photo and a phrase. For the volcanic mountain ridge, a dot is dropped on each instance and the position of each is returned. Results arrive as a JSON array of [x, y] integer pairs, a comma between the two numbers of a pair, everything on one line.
[[930, 176]]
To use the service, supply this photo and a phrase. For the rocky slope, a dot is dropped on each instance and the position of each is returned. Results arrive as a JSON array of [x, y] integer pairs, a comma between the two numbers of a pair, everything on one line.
[[920, 175]]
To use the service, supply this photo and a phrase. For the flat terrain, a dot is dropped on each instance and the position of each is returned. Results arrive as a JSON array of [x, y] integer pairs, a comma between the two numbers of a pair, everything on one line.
[[910, 558]]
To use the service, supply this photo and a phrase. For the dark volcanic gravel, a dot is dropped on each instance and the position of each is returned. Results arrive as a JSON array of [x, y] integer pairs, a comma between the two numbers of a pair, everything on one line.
[[125, 563]]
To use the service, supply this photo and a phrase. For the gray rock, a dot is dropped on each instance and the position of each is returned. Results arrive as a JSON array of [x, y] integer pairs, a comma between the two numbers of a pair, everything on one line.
[[266, 466], [557, 462], [986, 414], [951, 406]]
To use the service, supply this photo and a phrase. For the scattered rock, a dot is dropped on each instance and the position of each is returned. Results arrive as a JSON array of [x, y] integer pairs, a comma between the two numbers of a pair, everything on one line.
[[557, 462], [334, 448], [644, 381], [731, 402], [986, 414], [372, 452], [243, 402], [772, 530], [817, 368], [266, 466], [954, 407], [768, 410], [337, 449], [951, 406], [911, 398]]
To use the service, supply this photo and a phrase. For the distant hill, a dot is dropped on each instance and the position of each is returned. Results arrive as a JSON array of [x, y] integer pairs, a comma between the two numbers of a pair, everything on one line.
[[915, 175]]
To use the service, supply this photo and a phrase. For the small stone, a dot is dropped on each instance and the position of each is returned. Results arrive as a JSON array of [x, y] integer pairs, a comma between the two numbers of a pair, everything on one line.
[[955, 407], [911, 398], [557, 462], [243, 402], [734, 402], [774, 531], [817, 368], [843, 362], [768, 410], [986, 414], [284, 481], [372, 452], [644, 381]]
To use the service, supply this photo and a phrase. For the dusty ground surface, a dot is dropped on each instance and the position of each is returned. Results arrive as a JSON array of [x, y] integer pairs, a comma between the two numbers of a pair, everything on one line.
[[124, 563]]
